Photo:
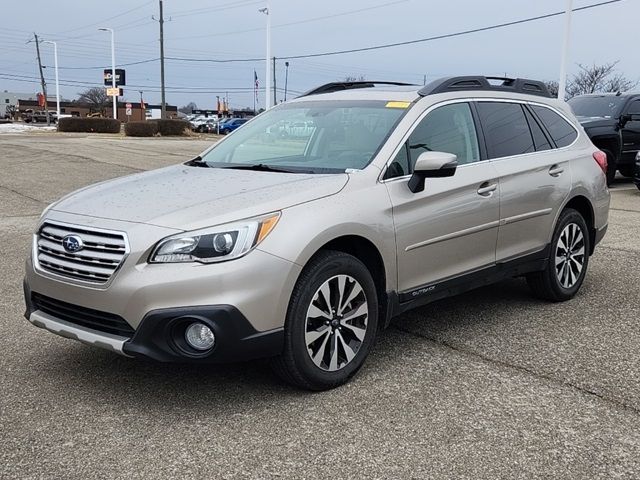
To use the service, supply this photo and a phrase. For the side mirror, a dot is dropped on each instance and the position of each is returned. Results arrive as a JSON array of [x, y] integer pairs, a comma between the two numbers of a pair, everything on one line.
[[624, 119], [432, 165]]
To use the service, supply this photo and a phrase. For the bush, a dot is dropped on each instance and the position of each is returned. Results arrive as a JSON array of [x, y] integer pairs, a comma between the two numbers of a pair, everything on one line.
[[97, 125], [173, 127], [140, 129]]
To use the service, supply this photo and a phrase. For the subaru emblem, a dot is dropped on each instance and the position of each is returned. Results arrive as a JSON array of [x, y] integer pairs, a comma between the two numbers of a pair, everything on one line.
[[72, 243]]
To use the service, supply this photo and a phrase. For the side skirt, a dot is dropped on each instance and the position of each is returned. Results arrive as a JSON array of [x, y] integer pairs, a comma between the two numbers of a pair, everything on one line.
[[403, 301]]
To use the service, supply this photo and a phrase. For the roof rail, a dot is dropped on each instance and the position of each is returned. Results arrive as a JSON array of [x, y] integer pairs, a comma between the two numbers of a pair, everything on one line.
[[514, 85], [338, 86]]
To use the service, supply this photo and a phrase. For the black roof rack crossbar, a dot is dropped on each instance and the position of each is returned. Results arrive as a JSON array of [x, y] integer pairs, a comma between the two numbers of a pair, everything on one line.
[[513, 85], [338, 86]]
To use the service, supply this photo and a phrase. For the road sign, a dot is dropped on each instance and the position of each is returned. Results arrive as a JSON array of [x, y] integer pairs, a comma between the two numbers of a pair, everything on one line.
[[114, 92]]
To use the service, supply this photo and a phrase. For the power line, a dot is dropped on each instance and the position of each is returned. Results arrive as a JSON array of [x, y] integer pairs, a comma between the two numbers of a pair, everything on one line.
[[448, 35], [398, 44], [312, 55], [298, 22], [109, 18], [149, 60]]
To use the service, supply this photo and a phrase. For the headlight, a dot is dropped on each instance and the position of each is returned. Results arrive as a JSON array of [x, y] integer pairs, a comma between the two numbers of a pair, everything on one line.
[[215, 244]]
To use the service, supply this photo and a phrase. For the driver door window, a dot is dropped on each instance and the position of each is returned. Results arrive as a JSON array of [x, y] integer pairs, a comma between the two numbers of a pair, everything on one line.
[[448, 129]]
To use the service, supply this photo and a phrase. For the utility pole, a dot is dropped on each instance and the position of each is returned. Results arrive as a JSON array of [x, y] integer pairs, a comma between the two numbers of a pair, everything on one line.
[[562, 84], [164, 105], [142, 109], [275, 99], [44, 85]]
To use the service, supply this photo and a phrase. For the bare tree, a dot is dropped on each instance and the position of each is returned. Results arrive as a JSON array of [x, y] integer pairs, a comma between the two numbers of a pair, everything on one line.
[[594, 79], [353, 78], [188, 108], [598, 79], [553, 87], [95, 96]]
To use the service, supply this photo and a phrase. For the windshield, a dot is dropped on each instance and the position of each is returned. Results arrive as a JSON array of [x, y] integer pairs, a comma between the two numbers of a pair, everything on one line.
[[312, 137], [606, 106]]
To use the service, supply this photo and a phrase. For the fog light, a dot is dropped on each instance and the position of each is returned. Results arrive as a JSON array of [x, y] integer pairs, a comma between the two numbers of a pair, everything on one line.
[[199, 336]]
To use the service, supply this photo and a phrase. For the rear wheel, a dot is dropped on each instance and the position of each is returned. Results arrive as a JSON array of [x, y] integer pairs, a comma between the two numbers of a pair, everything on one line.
[[626, 171], [568, 262], [331, 323]]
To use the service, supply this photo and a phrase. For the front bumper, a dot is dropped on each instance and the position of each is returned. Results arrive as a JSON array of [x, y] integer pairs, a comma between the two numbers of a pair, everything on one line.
[[159, 335], [244, 300]]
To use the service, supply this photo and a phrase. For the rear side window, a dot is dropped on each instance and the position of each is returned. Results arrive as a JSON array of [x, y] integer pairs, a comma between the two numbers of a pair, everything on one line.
[[506, 129], [539, 139], [560, 130]]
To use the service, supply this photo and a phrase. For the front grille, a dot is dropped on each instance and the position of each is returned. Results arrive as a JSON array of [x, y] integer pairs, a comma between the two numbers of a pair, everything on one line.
[[98, 259], [81, 316]]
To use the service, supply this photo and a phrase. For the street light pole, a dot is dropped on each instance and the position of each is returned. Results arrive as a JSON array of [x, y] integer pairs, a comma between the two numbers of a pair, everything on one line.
[[267, 77], [113, 69], [286, 79], [55, 63], [562, 84]]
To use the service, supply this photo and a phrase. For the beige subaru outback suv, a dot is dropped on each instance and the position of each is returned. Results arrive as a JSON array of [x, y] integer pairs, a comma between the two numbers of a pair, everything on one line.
[[300, 235]]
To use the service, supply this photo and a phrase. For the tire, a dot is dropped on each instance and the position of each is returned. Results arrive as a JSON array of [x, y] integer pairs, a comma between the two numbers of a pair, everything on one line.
[[316, 340], [626, 171], [563, 275], [612, 166]]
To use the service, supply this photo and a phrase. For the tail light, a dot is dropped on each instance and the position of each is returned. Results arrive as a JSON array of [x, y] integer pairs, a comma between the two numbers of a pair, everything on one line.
[[601, 160]]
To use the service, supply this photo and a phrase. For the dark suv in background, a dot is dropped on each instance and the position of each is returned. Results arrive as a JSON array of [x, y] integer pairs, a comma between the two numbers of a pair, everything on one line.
[[612, 122]]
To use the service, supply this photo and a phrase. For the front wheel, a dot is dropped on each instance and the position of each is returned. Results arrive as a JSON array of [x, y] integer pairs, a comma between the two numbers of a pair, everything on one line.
[[568, 262], [331, 323]]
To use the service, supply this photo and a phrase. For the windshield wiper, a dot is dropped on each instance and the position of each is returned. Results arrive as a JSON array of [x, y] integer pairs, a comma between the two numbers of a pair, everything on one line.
[[197, 162], [261, 167]]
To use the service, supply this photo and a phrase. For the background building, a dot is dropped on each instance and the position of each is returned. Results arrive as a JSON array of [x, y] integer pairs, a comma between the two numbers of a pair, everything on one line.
[[11, 99], [78, 109]]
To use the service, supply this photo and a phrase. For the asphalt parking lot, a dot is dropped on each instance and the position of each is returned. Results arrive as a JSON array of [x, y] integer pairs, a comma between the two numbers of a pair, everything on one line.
[[491, 384]]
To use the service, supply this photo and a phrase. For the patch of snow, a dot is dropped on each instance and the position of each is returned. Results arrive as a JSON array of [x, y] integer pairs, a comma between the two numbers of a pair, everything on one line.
[[23, 128]]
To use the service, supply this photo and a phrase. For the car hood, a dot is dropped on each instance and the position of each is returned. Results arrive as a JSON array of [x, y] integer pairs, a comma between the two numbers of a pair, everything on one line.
[[186, 198]]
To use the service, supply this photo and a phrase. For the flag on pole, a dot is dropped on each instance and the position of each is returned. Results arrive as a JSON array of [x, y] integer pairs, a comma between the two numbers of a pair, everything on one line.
[[256, 84]]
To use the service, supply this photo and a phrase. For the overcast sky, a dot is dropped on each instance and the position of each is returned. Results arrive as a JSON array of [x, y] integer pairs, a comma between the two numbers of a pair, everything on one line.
[[228, 29]]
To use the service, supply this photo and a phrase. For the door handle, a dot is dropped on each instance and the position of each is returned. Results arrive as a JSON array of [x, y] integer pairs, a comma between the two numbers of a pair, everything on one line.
[[486, 189], [555, 171]]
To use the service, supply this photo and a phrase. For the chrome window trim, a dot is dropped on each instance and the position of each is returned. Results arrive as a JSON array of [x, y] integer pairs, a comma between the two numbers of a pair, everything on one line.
[[73, 281], [414, 125]]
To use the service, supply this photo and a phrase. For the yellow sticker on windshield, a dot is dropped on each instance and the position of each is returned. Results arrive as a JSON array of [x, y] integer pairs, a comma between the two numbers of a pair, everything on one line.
[[398, 104]]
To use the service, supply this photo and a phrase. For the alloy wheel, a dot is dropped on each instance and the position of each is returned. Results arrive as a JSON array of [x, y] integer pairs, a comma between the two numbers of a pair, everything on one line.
[[570, 255], [336, 322]]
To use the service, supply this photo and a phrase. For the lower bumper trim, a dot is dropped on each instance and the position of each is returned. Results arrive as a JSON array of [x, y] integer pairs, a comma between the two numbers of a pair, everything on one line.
[[66, 329]]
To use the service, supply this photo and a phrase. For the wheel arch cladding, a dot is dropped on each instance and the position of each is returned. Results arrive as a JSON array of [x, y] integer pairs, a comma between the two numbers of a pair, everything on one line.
[[583, 206]]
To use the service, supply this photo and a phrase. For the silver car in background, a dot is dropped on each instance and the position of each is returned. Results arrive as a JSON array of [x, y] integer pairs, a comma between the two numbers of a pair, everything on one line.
[[302, 247]]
